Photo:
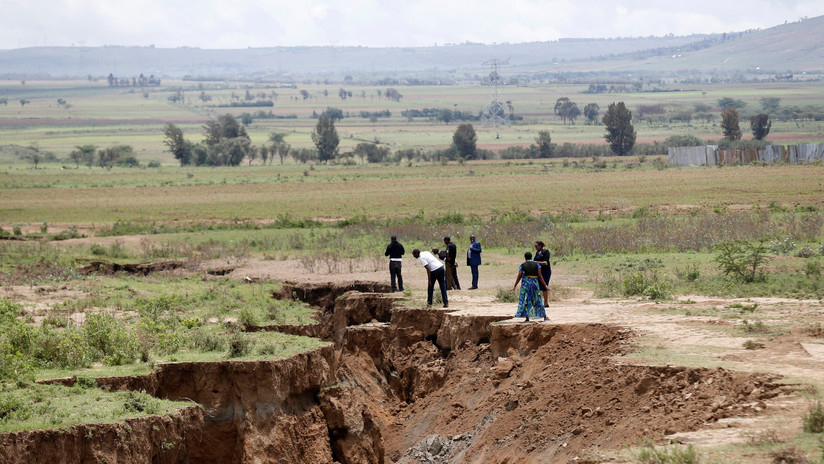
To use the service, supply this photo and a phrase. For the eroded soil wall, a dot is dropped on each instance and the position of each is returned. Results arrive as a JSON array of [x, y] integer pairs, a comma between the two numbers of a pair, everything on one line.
[[427, 387]]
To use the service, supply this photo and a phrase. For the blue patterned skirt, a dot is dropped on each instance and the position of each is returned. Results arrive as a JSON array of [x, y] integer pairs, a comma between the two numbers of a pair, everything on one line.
[[530, 303]]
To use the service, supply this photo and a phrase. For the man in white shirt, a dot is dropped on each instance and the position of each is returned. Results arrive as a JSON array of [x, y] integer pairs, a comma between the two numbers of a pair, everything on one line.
[[434, 271]]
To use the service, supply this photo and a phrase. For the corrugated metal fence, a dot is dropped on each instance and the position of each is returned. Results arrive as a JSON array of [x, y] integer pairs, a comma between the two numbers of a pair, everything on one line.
[[710, 155]]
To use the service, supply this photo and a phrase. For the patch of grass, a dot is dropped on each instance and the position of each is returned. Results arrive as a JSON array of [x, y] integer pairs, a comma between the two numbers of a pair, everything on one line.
[[651, 454], [789, 455], [33, 406], [505, 295], [752, 345], [813, 419]]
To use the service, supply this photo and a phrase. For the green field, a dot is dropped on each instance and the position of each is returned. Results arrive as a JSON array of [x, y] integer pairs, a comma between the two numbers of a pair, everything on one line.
[[97, 114]]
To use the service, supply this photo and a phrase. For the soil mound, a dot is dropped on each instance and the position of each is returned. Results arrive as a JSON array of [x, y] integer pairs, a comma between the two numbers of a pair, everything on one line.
[[106, 267]]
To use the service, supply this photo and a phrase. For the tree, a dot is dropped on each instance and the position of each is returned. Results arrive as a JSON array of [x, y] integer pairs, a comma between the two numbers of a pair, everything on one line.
[[24, 102], [36, 158], [729, 124], [393, 94], [569, 110], [83, 154], [276, 137], [727, 103], [372, 152], [760, 125], [445, 115], [303, 155], [264, 154], [342, 93], [560, 103], [770, 104], [619, 131], [335, 114], [179, 147], [464, 140], [283, 150], [252, 154], [325, 138], [77, 157], [107, 157], [544, 142], [591, 112], [304, 93]]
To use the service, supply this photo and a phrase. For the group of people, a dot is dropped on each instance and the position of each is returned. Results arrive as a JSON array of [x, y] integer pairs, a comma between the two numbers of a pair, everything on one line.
[[444, 273], [533, 274]]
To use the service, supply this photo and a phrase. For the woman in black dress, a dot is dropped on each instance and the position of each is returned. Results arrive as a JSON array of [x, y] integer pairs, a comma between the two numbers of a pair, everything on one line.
[[542, 258]]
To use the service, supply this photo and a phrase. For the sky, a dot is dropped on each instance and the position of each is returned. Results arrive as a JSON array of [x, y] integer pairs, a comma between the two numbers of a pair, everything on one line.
[[373, 23]]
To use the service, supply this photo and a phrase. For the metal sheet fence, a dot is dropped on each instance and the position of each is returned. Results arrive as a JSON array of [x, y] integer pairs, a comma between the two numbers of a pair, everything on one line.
[[710, 155]]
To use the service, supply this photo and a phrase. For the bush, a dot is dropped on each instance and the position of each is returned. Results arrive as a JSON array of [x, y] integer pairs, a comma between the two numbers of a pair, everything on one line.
[[782, 246], [239, 345], [813, 419], [690, 274], [805, 252], [741, 260], [813, 269], [506, 295], [663, 455]]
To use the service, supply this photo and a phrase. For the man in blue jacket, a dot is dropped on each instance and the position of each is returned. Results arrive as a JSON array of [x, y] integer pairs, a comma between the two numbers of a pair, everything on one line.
[[473, 260]]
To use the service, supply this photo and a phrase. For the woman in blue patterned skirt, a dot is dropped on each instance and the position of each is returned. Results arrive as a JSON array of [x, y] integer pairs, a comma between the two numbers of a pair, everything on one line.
[[530, 303]]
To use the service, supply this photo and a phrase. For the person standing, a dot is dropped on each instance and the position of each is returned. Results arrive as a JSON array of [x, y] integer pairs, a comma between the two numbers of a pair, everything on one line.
[[530, 303], [473, 260], [542, 258], [395, 252], [451, 262], [434, 271]]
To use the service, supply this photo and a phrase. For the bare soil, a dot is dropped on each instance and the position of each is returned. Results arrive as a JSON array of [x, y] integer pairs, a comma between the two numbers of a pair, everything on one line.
[[473, 384]]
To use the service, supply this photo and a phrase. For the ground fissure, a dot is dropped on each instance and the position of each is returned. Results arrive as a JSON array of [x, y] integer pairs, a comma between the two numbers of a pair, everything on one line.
[[410, 385]]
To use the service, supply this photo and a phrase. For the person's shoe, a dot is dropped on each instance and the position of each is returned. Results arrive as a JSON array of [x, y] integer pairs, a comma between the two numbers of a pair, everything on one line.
[[546, 318], [527, 320], [446, 306], [473, 288]]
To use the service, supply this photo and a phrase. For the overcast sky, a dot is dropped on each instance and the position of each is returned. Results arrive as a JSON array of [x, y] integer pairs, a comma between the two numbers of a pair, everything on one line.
[[262, 23]]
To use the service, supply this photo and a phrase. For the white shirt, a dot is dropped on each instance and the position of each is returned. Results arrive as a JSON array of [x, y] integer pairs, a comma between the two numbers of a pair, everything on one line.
[[429, 261]]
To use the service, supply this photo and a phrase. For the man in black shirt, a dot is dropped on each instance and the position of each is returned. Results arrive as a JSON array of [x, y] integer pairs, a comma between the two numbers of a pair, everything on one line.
[[542, 257], [395, 252], [451, 265]]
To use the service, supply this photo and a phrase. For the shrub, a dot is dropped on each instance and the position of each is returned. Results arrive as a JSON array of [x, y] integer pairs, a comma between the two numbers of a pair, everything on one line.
[[813, 419], [741, 259], [247, 316], [690, 274], [202, 340], [239, 345], [506, 295], [111, 339], [813, 269], [805, 252], [651, 454], [782, 246], [752, 345]]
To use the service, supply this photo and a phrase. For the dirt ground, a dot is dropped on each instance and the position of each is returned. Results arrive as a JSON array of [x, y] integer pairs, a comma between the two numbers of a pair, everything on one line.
[[668, 333], [689, 331]]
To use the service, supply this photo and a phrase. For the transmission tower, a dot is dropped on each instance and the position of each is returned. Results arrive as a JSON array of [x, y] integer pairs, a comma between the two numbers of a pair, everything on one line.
[[495, 113]]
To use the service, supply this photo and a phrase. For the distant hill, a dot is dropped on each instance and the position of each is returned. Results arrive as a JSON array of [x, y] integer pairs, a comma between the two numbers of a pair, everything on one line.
[[797, 46]]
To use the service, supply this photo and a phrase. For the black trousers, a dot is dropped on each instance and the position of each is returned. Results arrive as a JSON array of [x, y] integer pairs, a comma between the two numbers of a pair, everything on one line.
[[439, 276], [395, 274]]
